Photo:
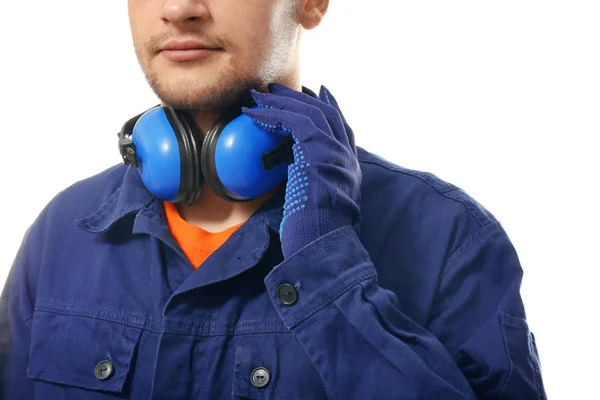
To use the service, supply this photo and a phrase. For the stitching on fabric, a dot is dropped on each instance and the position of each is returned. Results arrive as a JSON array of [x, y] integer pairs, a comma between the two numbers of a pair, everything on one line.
[[507, 352], [240, 258], [472, 240], [334, 291], [375, 348], [205, 329], [303, 257], [98, 313], [224, 333], [446, 193]]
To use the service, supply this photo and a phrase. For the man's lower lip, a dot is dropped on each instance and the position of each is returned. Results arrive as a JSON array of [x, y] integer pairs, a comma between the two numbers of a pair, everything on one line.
[[188, 55]]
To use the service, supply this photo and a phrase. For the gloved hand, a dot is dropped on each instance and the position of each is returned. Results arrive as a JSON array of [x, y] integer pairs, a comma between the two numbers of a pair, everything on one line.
[[323, 187]]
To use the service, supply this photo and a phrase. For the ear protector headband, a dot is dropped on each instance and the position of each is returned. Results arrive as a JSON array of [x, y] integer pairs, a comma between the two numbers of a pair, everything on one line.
[[238, 159]]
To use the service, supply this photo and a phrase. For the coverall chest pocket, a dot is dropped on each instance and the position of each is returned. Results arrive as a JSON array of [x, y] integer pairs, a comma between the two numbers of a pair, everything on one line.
[[274, 366], [77, 357]]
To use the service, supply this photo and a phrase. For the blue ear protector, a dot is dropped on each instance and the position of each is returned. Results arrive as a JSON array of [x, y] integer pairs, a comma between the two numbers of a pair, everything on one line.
[[238, 159]]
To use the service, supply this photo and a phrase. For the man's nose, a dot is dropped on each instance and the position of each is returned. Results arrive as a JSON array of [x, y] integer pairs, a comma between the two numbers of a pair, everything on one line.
[[180, 12]]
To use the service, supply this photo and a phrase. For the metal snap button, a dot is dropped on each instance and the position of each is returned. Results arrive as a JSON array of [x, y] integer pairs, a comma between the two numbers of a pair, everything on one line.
[[104, 370], [260, 377], [287, 294]]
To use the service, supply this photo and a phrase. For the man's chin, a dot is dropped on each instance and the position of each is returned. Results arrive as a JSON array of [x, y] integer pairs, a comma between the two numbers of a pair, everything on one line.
[[204, 97], [209, 87], [185, 99]]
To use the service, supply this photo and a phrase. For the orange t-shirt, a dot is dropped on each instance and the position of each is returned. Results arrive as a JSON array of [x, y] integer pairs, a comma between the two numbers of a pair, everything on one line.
[[196, 243]]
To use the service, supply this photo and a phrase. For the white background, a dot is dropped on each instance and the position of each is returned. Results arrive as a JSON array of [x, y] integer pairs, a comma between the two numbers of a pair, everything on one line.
[[499, 98]]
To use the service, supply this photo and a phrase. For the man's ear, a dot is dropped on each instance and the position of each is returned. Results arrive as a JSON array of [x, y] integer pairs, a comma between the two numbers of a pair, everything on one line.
[[311, 12]]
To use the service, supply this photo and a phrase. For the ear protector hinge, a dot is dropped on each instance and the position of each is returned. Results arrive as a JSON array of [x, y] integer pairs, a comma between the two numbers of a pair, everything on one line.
[[281, 153], [127, 150]]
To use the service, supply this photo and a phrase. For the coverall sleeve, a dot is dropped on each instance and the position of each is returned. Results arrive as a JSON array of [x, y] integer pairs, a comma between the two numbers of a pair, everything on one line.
[[16, 311], [365, 347]]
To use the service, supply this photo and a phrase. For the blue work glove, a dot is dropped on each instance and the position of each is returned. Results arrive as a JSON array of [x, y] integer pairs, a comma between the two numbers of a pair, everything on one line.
[[323, 186]]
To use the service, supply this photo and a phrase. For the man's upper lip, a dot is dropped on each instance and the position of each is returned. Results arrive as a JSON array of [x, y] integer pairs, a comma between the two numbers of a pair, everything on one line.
[[186, 45]]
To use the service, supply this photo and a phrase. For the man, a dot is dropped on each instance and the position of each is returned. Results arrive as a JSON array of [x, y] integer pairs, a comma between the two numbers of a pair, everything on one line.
[[354, 279]]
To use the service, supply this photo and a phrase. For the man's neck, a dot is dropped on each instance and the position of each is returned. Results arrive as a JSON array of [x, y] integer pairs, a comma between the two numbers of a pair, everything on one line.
[[214, 214], [206, 119]]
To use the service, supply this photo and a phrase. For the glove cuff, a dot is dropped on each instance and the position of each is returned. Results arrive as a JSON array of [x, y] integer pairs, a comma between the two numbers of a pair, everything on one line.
[[304, 227]]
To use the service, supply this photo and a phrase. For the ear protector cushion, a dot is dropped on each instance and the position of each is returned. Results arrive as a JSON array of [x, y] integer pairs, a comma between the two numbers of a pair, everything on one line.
[[190, 142], [232, 160], [167, 153]]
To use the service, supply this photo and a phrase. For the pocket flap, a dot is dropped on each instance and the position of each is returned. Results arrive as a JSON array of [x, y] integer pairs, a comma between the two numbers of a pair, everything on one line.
[[81, 351]]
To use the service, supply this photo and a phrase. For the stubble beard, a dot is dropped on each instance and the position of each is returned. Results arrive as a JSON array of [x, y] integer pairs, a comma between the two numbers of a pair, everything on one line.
[[230, 88]]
